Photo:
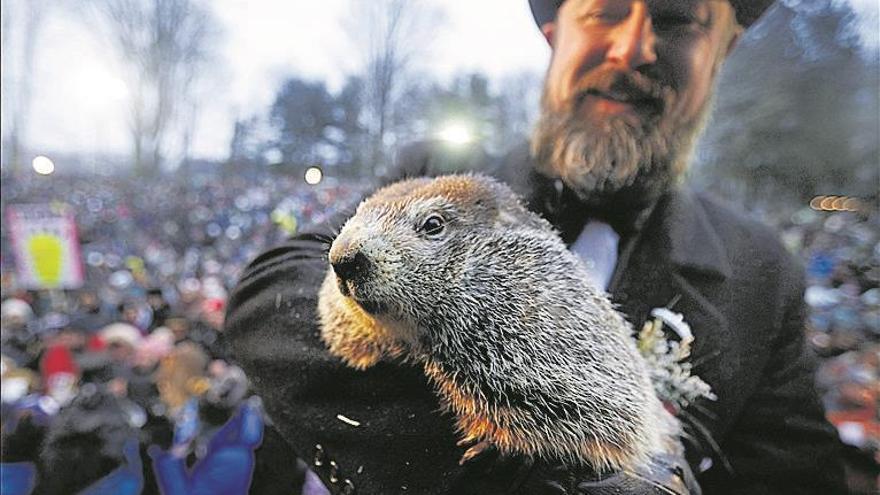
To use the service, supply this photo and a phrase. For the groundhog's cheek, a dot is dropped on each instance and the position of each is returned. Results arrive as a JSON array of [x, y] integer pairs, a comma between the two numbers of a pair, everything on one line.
[[348, 332]]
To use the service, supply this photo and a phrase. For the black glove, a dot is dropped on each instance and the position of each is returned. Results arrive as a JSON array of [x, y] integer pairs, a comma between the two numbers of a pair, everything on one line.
[[490, 472]]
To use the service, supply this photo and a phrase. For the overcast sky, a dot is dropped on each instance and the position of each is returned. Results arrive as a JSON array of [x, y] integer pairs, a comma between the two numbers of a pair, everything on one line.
[[79, 102]]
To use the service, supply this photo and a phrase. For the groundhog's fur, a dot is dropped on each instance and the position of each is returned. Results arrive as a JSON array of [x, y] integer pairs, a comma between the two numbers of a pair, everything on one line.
[[526, 354]]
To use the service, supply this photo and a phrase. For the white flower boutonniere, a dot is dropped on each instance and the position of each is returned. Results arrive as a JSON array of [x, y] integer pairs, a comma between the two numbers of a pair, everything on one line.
[[671, 372]]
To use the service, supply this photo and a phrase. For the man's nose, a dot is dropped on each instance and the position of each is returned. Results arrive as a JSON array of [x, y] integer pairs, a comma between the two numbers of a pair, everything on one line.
[[633, 39]]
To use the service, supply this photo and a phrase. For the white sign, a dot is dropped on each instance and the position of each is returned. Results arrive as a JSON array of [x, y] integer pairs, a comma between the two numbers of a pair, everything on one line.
[[46, 246]]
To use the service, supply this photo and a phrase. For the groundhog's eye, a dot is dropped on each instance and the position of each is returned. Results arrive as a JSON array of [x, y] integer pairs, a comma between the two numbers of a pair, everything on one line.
[[433, 226]]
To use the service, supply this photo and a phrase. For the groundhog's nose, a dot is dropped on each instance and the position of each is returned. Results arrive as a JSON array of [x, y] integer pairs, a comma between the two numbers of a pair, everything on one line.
[[351, 266]]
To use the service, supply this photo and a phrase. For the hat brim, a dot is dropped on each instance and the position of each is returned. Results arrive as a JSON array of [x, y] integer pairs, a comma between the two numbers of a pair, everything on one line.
[[747, 11]]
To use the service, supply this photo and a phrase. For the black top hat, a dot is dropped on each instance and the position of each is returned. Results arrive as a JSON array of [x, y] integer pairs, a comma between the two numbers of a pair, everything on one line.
[[747, 11]]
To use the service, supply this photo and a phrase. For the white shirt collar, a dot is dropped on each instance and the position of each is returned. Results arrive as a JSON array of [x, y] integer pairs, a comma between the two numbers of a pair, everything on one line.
[[597, 247]]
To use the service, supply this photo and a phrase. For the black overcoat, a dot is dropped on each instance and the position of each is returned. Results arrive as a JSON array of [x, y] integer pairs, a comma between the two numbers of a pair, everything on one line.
[[730, 277]]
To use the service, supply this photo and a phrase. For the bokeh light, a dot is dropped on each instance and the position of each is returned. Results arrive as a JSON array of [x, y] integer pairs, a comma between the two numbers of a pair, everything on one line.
[[836, 203], [43, 165], [314, 175]]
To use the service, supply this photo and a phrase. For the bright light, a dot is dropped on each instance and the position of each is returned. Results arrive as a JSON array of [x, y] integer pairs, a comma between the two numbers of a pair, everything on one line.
[[456, 133], [43, 165], [108, 87], [836, 203], [313, 175]]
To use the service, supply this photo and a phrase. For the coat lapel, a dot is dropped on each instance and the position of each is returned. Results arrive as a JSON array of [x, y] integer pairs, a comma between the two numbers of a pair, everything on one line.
[[678, 261], [696, 265]]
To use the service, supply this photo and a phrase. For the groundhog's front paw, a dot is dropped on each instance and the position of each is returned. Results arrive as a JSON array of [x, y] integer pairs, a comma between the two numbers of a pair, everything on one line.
[[474, 450]]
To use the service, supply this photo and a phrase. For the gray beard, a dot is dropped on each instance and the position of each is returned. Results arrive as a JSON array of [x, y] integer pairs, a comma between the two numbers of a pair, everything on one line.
[[612, 163]]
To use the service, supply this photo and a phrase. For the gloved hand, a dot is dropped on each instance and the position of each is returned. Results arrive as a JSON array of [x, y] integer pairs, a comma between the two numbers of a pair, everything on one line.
[[17, 478], [228, 466], [490, 472]]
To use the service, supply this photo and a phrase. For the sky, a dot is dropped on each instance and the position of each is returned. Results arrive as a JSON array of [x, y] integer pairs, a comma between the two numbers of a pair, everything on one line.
[[79, 100]]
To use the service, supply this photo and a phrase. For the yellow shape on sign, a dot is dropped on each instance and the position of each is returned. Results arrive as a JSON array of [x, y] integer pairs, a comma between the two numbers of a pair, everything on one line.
[[47, 251]]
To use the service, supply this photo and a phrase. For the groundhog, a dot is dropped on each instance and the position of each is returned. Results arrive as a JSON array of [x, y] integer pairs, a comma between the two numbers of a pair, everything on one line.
[[455, 275]]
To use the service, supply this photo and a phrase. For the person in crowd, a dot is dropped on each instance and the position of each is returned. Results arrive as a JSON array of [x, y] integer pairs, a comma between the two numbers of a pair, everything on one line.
[[142, 387], [179, 327], [137, 314], [60, 373], [181, 377], [18, 342], [89, 314], [159, 306], [92, 430]]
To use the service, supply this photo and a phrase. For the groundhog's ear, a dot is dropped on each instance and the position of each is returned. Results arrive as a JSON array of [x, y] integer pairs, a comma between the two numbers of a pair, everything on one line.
[[506, 207]]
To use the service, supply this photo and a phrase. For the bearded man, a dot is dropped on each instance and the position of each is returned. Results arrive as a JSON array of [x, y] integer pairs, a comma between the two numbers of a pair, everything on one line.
[[626, 95]]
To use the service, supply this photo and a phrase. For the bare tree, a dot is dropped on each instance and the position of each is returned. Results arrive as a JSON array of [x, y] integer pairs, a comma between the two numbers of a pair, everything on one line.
[[516, 109], [165, 44], [21, 23], [390, 34]]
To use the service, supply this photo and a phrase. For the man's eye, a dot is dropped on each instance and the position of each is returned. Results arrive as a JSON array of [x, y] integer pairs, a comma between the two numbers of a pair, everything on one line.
[[605, 16], [433, 226], [672, 21]]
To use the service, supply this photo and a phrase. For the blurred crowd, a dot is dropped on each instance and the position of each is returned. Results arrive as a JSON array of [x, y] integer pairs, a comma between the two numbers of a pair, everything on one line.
[[134, 365], [137, 354], [841, 254]]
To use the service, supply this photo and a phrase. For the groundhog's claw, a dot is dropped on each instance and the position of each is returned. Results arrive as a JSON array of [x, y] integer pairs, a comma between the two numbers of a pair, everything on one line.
[[466, 441], [474, 451]]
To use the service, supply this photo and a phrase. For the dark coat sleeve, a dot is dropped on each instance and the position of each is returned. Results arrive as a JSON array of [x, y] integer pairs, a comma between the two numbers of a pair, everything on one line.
[[781, 441]]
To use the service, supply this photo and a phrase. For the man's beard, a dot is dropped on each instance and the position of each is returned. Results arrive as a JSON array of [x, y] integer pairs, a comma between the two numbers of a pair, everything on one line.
[[613, 162]]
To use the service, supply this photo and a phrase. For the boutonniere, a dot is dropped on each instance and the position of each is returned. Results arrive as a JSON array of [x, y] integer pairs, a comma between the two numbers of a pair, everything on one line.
[[667, 358]]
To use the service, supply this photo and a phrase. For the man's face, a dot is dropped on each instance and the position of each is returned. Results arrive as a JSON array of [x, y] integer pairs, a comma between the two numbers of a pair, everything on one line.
[[88, 300], [178, 326], [627, 90]]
